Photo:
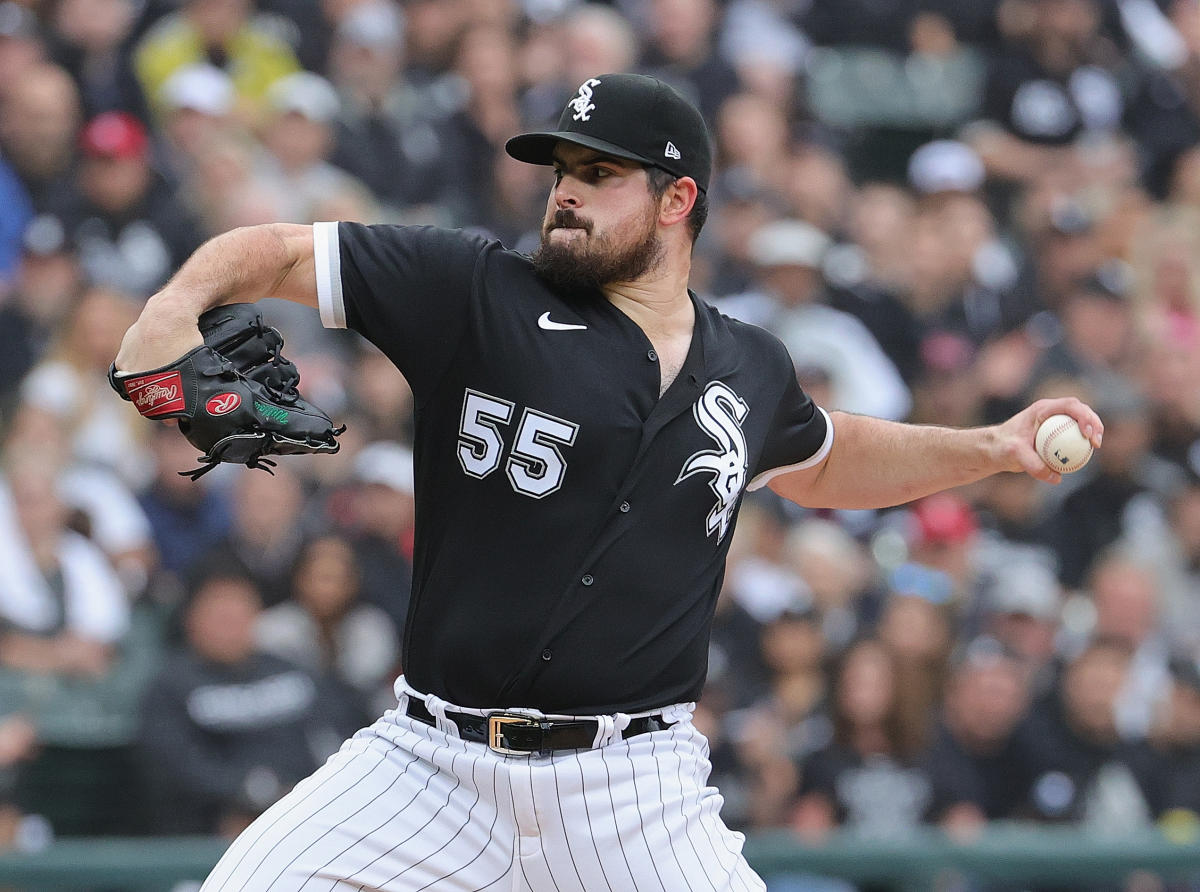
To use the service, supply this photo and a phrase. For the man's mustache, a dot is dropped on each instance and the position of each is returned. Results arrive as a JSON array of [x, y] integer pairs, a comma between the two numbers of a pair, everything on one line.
[[565, 218]]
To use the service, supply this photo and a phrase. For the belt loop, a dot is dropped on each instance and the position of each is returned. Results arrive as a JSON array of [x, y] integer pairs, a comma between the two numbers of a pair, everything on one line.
[[437, 708], [678, 712], [609, 729]]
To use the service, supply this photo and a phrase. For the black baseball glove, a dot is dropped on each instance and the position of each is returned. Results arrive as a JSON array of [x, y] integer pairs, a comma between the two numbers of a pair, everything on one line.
[[235, 397]]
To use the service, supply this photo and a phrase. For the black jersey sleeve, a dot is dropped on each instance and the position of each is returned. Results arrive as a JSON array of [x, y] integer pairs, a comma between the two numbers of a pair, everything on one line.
[[801, 432], [406, 289]]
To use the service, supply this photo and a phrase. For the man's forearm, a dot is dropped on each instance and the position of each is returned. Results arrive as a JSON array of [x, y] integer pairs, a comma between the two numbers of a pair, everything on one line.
[[240, 265], [877, 464]]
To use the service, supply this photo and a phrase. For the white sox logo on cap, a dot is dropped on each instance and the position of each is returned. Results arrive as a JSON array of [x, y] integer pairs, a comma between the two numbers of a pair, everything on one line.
[[629, 116], [582, 103]]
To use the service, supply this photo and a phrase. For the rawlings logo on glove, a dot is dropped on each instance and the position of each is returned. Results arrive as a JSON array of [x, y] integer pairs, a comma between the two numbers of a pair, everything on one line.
[[155, 395], [222, 403], [235, 397]]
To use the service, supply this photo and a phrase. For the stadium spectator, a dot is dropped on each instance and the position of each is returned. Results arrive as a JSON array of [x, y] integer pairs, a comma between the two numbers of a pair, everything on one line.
[[869, 778], [101, 505], [39, 120], [962, 280], [790, 299], [917, 627], [225, 33], [65, 617], [1098, 337], [326, 628], [226, 729], [791, 721], [754, 143], [1081, 769], [432, 29], [1172, 546], [47, 283], [22, 45], [89, 41], [12, 225], [386, 134], [884, 25], [1057, 85], [1125, 481], [680, 49], [1176, 739], [976, 769], [267, 532], [486, 113], [381, 517], [187, 518], [131, 229], [225, 187], [71, 384], [767, 51], [841, 575], [1022, 611], [196, 101], [299, 139], [64, 607], [1127, 600], [944, 539], [596, 37]]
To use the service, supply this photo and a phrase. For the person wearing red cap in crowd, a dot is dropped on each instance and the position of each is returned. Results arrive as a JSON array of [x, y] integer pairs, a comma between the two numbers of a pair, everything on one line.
[[945, 533], [130, 229]]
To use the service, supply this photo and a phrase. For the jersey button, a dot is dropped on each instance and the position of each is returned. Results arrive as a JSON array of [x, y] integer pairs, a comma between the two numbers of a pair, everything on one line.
[[624, 507], [546, 654], [652, 356], [587, 579]]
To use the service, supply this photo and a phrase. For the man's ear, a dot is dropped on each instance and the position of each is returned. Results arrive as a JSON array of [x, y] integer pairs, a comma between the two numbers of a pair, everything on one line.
[[677, 201]]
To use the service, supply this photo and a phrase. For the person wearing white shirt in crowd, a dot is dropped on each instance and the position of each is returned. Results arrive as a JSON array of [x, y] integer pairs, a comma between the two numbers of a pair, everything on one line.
[[788, 301]]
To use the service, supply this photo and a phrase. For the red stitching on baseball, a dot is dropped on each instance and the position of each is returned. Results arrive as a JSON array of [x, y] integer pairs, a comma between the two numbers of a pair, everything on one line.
[[1062, 427]]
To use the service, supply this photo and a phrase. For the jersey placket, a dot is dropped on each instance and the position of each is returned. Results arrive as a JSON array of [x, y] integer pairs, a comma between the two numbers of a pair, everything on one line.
[[619, 516]]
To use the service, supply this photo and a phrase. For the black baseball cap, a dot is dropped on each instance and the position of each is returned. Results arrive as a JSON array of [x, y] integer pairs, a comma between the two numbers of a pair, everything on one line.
[[630, 116]]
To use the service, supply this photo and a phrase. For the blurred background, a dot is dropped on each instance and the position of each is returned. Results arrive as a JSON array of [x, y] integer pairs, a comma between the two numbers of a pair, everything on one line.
[[945, 208]]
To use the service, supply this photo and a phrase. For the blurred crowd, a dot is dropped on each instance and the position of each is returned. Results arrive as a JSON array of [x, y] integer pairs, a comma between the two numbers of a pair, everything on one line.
[[945, 209]]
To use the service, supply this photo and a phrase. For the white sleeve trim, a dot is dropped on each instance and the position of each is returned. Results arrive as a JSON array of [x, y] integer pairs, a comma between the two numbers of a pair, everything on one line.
[[328, 257], [815, 459]]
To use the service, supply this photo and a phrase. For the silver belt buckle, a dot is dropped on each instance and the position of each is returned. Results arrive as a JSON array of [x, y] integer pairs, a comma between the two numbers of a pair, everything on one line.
[[499, 721]]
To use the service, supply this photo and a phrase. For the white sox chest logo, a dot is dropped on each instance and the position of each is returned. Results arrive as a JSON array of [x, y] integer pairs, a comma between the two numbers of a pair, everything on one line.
[[582, 103], [720, 413]]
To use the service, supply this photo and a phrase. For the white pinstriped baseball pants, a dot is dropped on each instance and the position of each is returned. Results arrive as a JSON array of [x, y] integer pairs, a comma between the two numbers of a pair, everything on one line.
[[405, 806]]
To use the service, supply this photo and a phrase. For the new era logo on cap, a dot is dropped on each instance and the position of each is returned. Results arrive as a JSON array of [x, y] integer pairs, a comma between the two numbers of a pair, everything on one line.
[[629, 116]]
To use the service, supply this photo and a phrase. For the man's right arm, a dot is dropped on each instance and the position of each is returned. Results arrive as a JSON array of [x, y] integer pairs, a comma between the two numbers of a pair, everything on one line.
[[242, 265]]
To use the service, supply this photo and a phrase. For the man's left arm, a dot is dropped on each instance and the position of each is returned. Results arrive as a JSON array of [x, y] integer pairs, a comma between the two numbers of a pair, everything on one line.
[[874, 463]]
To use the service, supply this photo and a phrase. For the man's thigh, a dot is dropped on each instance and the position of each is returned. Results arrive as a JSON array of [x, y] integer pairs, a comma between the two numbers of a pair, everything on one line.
[[635, 815], [399, 807]]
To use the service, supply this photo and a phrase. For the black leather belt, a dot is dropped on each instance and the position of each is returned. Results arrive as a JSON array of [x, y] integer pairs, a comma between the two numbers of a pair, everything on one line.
[[512, 733]]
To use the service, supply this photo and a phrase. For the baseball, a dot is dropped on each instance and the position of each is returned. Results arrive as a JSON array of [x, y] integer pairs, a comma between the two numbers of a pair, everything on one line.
[[1062, 445]]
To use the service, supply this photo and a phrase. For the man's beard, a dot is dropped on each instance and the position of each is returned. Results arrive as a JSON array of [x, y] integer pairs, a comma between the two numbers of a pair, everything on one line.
[[597, 263]]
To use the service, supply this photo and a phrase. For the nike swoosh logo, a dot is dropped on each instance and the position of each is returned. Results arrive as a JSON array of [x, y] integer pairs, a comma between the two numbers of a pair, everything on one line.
[[544, 321]]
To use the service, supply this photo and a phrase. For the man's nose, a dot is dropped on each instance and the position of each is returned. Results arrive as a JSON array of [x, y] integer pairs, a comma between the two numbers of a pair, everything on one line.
[[566, 195]]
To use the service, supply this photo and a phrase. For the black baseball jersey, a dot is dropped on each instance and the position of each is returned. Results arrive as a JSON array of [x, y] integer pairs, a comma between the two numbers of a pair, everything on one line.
[[572, 525]]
